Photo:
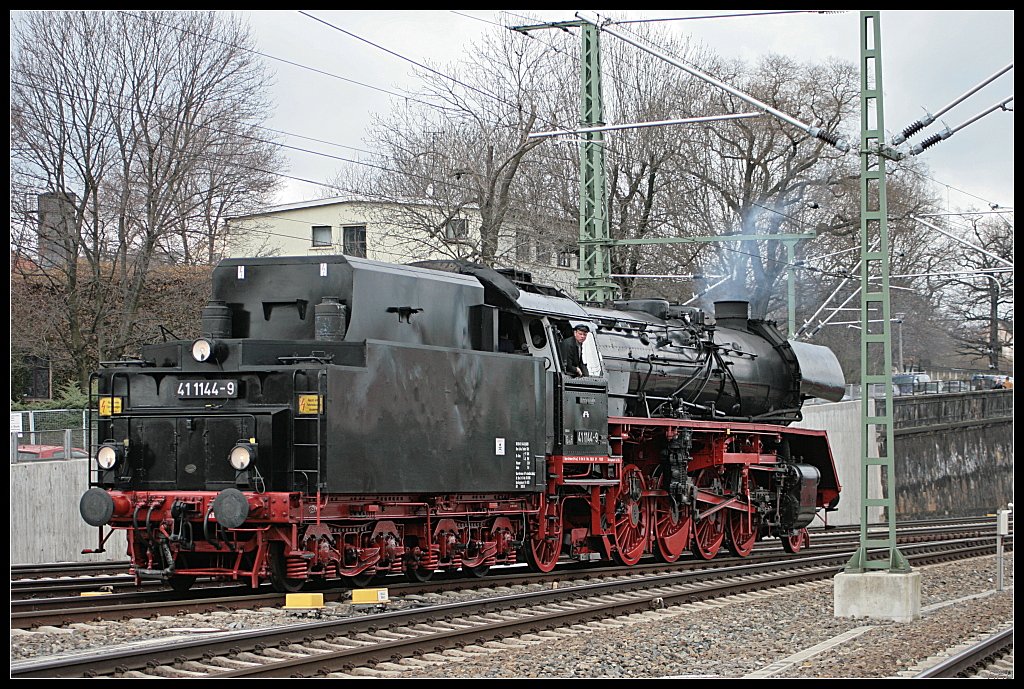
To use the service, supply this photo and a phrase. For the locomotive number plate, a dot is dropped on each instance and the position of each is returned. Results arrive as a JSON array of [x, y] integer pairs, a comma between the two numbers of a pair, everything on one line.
[[201, 389]]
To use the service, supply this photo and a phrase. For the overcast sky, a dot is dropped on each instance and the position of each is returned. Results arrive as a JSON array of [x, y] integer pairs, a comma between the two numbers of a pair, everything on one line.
[[928, 58]]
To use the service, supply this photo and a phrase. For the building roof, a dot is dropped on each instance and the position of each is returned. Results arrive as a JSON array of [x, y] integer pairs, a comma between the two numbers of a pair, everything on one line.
[[337, 201], [314, 203]]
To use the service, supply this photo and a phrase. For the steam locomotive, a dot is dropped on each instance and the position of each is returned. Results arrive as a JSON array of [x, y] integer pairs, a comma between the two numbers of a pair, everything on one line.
[[340, 419]]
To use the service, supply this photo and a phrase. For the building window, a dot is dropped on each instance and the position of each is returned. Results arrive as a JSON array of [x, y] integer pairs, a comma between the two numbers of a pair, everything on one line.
[[456, 229], [565, 258], [354, 238], [522, 246], [544, 253], [321, 235]]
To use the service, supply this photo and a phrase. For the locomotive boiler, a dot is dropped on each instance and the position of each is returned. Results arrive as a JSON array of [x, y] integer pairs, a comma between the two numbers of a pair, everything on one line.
[[340, 419]]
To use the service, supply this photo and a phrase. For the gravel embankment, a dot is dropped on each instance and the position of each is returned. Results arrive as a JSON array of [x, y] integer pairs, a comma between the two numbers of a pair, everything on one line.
[[759, 635], [762, 635]]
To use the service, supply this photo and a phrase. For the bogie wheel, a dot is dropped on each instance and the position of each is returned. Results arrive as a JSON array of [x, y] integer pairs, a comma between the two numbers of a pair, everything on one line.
[[479, 572], [631, 517], [358, 581], [279, 571], [673, 527], [181, 582], [545, 544], [743, 530], [797, 542], [418, 575], [708, 531]]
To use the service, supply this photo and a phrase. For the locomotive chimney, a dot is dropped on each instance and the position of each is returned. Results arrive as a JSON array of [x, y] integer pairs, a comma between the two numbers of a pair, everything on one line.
[[732, 314], [216, 320]]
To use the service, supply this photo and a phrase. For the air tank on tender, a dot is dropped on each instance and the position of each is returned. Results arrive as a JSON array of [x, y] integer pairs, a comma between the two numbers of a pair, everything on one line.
[[671, 360]]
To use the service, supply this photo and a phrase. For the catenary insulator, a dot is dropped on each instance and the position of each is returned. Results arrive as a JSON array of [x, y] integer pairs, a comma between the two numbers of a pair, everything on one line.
[[930, 141], [913, 129], [830, 138]]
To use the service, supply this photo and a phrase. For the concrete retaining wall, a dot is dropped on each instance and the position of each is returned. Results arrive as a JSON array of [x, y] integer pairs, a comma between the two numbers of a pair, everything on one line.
[[45, 523], [954, 454], [842, 423]]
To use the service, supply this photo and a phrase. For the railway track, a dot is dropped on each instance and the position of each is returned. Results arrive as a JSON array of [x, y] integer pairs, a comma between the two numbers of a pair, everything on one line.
[[32, 611], [32, 582], [321, 647], [987, 657]]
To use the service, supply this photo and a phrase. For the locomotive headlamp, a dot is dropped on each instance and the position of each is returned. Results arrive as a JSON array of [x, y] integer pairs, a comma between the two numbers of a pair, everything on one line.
[[205, 349], [108, 455], [241, 455]]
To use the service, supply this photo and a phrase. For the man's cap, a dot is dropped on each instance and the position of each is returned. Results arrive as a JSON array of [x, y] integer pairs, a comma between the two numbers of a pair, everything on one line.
[[583, 326]]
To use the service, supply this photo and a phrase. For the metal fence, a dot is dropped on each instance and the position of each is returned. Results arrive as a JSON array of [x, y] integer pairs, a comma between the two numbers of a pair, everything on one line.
[[854, 391], [66, 429]]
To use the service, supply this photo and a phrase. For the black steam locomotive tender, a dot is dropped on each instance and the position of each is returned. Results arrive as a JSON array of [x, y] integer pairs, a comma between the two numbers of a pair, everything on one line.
[[340, 419]]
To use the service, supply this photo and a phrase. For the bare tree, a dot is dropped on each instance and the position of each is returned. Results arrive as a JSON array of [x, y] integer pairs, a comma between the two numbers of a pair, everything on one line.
[[759, 172], [980, 300], [142, 128], [464, 154]]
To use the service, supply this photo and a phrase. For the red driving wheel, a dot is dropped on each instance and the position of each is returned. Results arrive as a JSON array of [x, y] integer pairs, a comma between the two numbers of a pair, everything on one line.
[[709, 530], [630, 518], [673, 526], [797, 542], [545, 546], [743, 528]]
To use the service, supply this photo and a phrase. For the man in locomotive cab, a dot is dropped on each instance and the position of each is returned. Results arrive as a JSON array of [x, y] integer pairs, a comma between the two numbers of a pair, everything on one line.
[[572, 351]]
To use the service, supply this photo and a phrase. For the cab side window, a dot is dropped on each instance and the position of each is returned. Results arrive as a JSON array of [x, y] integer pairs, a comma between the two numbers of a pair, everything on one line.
[[537, 336], [510, 334]]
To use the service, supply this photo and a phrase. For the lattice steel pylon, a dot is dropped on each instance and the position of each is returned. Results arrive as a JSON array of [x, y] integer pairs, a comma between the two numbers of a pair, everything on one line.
[[876, 339], [595, 284]]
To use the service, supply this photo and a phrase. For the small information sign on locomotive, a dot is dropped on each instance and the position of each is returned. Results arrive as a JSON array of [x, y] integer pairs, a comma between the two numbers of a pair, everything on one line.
[[201, 389], [309, 404], [110, 405], [525, 473]]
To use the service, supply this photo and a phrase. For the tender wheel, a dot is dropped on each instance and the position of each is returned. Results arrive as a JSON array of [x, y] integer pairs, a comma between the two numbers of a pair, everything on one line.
[[279, 571], [673, 526], [797, 542], [182, 583], [743, 530], [630, 517], [360, 580], [708, 531], [480, 571], [418, 575], [545, 544]]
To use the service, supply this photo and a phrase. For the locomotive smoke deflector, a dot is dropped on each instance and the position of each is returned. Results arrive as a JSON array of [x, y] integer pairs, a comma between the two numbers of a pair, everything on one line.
[[820, 372]]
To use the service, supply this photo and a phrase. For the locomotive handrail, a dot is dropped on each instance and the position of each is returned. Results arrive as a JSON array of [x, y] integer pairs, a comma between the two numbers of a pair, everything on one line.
[[324, 359], [321, 394], [694, 405], [127, 362], [88, 440]]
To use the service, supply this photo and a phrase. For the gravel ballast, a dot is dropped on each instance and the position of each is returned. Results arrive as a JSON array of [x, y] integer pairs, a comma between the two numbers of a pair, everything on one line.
[[785, 633]]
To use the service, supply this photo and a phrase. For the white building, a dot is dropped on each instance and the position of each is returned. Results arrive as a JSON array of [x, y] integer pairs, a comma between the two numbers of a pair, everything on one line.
[[399, 233]]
